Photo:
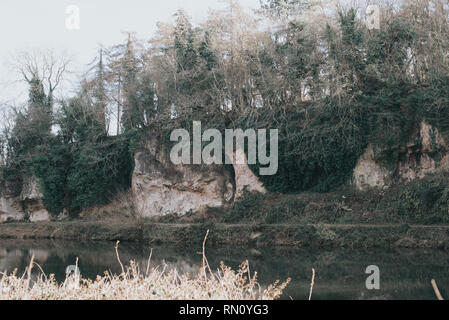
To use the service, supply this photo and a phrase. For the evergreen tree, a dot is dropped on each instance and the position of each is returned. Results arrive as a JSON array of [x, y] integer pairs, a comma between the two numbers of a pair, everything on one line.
[[39, 109], [100, 95]]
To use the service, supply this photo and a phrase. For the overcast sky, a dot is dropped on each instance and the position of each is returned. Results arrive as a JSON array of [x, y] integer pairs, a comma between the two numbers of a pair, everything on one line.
[[31, 24]]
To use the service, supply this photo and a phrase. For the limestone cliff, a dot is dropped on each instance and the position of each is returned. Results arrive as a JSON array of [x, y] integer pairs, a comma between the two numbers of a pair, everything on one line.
[[32, 199], [10, 210], [10, 206], [426, 153], [22, 201], [160, 187], [245, 178]]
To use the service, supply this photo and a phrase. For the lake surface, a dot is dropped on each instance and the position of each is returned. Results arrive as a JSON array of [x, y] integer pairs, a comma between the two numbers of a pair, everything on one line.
[[340, 274]]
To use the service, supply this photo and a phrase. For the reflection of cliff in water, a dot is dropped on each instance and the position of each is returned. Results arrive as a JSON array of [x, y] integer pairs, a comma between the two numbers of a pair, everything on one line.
[[405, 274]]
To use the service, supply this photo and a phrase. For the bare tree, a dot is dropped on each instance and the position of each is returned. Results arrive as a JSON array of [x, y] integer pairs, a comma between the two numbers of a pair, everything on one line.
[[47, 66]]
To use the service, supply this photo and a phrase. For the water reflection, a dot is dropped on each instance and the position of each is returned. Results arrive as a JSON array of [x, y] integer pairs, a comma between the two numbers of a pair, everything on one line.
[[340, 274]]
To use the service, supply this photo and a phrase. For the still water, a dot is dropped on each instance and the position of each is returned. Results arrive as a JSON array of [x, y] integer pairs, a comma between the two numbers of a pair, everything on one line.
[[340, 274]]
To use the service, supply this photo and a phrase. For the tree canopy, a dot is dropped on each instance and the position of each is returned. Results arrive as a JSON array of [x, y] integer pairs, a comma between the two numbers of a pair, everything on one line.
[[313, 70]]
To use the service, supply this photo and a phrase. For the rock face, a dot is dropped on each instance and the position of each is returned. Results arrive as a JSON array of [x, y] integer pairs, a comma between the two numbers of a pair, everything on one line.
[[10, 206], [32, 198], [39, 215], [426, 153], [160, 187], [10, 210], [245, 178], [31, 190], [22, 201], [369, 174]]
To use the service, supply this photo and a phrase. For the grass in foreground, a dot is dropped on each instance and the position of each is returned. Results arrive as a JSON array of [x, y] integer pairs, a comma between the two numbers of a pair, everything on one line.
[[133, 284]]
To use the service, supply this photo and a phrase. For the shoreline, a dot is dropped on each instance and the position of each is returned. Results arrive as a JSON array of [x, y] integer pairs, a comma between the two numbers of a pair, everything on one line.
[[255, 235]]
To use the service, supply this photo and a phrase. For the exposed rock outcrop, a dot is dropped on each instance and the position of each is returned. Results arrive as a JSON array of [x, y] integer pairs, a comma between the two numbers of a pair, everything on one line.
[[31, 190], [32, 199], [20, 201], [39, 215], [370, 174], [245, 179], [10, 210], [426, 153], [10, 206], [160, 187]]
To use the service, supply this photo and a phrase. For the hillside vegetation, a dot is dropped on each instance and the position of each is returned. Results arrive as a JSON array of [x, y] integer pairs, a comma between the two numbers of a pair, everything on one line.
[[318, 74]]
